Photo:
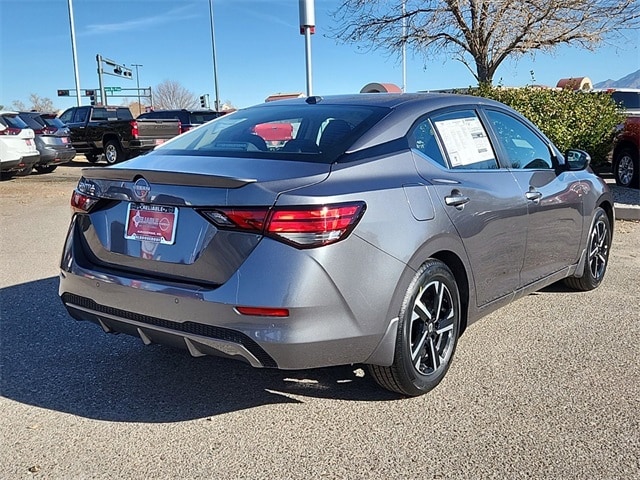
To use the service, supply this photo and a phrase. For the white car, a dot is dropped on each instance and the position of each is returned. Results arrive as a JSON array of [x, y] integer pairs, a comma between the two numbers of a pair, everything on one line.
[[18, 152]]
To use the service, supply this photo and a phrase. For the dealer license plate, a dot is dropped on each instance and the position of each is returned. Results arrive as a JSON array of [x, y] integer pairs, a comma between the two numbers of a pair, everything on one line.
[[154, 223]]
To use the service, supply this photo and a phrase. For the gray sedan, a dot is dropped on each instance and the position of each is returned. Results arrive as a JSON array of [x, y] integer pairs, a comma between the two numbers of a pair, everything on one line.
[[375, 233]]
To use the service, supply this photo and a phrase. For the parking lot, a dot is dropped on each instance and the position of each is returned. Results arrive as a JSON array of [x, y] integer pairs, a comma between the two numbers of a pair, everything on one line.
[[548, 387]]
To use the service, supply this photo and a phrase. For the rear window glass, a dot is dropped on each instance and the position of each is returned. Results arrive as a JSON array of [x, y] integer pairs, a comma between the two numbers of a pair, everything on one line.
[[32, 122], [203, 117], [13, 121], [111, 114], [300, 132], [54, 122]]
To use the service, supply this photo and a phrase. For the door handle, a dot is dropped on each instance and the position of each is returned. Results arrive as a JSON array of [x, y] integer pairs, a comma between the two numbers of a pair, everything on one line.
[[456, 199], [534, 196]]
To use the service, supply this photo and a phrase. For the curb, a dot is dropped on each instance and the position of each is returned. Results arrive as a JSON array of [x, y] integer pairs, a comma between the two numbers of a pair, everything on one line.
[[627, 212]]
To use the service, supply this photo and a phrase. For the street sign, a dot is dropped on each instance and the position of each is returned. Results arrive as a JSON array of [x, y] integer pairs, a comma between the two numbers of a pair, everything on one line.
[[112, 89]]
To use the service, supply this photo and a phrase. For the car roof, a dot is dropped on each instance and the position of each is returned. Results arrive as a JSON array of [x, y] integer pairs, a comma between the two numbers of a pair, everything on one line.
[[404, 110], [388, 100]]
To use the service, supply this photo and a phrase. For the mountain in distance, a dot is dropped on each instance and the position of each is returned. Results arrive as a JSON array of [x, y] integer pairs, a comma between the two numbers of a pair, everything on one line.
[[630, 81]]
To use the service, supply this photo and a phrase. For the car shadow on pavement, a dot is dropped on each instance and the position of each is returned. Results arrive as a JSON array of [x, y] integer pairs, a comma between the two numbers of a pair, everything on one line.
[[49, 360]]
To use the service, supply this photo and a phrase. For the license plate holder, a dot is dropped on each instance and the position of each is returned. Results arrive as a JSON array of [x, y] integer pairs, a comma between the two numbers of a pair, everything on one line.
[[153, 223]]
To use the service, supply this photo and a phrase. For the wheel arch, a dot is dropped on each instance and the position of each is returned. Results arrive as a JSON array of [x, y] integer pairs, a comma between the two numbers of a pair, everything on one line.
[[607, 206], [110, 136], [454, 259], [459, 271], [622, 145]]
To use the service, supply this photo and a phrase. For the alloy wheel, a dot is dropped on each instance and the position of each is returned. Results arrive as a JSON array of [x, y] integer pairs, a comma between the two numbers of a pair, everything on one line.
[[598, 249], [431, 331], [625, 170]]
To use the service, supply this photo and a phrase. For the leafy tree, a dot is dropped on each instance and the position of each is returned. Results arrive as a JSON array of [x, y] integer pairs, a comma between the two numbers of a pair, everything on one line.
[[38, 103], [171, 94], [483, 33]]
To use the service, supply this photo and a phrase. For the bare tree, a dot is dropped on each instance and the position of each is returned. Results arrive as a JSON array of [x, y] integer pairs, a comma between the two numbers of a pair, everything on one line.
[[171, 94], [38, 103], [484, 33]]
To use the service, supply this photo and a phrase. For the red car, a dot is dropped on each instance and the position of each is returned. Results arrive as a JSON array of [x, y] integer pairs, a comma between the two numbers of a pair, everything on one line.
[[626, 151]]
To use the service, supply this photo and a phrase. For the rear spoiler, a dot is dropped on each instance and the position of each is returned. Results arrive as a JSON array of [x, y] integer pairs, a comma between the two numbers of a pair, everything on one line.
[[163, 177]]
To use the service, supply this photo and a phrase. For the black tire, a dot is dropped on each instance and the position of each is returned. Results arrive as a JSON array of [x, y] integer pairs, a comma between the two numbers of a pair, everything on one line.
[[92, 157], [45, 168], [598, 247], [428, 329], [626, 169], [113, 152]]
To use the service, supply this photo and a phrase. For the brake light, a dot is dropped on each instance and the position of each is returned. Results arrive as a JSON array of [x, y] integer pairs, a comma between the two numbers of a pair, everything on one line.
[[134, 129], [302, 227], [10, 131], [81, 202]]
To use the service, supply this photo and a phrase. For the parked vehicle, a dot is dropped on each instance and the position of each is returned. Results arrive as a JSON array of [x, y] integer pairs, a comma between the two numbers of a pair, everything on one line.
[[626, 150], [52, 141], [114, 132], [18, 152], [189, 119], [376, 235]]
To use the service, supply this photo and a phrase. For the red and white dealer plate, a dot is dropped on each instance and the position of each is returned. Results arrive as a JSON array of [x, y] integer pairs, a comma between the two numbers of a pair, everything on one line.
[[154, 223]]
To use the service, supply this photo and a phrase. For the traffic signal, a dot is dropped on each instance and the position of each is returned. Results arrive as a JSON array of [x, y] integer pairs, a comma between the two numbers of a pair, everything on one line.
[[63, 93], [117, 70], [203, 101]]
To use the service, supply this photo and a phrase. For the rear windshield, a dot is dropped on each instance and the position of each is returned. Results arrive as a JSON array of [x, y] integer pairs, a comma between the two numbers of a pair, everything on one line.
[[13, 121], [198, 118], [54, 122], [300, 132], [111, 114], [31, 121]]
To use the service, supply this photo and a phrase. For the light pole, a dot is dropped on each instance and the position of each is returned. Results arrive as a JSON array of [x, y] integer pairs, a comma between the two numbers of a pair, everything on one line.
[[213, 53], [73, 51], [138, 84], [307, 28]]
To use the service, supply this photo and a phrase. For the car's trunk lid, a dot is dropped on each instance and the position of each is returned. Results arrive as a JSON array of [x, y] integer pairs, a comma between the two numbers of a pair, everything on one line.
[[181, 187]]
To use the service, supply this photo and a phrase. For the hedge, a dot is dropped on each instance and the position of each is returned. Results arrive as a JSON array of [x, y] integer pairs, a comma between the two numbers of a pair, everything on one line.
[[571, 119]]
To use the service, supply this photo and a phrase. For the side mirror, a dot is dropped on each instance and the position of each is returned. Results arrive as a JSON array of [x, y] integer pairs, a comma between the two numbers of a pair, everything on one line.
[[577, 159]]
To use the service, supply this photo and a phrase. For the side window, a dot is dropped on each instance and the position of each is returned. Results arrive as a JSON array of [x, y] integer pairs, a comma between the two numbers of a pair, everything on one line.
[[465, 140], [80, 116], [423, 139], [524, 149], [67, 116]]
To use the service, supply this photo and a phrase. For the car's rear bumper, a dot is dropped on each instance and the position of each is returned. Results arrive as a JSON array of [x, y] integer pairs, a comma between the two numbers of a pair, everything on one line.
[[53, 156], [20, 164], [323, 327]]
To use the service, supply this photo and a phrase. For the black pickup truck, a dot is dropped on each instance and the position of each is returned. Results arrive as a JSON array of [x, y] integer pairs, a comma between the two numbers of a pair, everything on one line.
[[114, 132]]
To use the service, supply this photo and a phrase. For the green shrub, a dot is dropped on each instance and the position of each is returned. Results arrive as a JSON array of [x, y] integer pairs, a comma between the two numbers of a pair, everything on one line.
[[571, 119]]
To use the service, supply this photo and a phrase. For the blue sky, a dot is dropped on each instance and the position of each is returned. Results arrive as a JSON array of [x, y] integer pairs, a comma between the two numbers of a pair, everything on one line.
[[259, 51]]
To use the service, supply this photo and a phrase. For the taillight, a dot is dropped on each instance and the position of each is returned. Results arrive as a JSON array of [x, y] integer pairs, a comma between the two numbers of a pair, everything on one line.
[[85, 196], [81, 202], [10, 131], [134, 129], [302, 227]]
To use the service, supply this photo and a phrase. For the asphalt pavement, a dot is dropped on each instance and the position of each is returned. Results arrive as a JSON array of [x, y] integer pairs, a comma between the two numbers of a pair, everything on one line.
[[548, 387]]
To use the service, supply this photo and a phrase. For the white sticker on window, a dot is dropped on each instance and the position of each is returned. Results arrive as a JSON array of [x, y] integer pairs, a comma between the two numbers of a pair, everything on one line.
[[465, 140]]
